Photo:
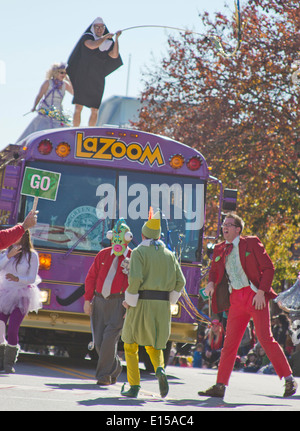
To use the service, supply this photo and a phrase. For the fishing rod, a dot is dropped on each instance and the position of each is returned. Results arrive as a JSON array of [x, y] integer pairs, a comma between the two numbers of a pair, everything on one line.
[[160, 26], [216, 40]]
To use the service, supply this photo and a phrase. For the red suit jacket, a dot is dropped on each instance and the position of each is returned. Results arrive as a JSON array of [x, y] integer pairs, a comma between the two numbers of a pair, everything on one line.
[[99, 270], [257, 266], [10, 236]]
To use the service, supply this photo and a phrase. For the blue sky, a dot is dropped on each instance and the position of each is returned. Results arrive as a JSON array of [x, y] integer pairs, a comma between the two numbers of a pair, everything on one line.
[[35, 34]]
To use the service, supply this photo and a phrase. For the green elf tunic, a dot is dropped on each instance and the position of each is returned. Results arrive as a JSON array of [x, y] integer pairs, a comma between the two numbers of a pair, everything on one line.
[[148, 321]]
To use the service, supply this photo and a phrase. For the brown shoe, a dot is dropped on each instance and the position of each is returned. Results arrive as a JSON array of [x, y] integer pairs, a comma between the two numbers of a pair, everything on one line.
[[290, 388], [104, 381], [217, 391]]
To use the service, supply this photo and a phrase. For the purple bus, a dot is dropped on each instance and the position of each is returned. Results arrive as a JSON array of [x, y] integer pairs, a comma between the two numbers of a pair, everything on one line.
[[106, 173]]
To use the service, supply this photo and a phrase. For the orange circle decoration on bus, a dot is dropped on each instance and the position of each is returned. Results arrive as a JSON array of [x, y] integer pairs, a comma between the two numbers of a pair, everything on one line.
[[63, 149], [194, 163], [176, 161], [45, 147]]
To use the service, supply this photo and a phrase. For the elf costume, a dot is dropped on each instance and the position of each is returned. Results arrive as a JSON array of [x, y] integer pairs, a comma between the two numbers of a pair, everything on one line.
[[155, 281]]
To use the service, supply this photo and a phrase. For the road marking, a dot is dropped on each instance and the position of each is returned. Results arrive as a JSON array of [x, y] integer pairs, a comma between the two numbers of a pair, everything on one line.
[[86, 376], [64, 370]]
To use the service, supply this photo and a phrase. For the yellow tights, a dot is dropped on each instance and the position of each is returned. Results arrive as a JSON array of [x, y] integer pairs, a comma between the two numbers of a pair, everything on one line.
[[132, 361]]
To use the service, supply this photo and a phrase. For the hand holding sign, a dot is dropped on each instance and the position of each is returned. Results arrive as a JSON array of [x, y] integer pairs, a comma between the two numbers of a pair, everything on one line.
[[30, 220]]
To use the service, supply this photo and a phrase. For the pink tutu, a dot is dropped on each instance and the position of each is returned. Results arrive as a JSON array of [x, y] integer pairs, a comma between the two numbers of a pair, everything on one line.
[[25, 298]]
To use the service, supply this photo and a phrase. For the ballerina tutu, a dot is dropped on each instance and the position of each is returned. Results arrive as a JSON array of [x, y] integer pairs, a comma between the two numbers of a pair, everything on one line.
[[290, 299], [25, 298]]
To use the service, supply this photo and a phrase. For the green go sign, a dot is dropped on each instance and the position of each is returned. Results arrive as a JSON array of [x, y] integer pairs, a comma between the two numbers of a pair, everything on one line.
[[203, 294], [41, 184]]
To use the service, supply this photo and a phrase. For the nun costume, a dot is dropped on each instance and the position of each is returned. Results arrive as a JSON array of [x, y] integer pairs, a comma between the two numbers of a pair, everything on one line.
[[87, 68]]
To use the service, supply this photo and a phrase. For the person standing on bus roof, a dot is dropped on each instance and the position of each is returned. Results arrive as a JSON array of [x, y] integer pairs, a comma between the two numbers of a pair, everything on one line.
[[19, 295], [105, 284], [249, 277], [94, 57], [48, 102], [155, 281]]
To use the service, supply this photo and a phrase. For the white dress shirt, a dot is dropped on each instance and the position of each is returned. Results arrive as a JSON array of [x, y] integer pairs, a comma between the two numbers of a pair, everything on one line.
[[237, 277]]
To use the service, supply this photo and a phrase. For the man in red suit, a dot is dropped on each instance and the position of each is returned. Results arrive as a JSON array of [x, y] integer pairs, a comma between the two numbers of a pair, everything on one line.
[[240, 280]]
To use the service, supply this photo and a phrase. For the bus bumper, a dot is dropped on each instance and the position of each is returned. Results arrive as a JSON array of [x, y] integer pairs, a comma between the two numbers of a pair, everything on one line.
[[80, 322], [59, 321], [184, 332]]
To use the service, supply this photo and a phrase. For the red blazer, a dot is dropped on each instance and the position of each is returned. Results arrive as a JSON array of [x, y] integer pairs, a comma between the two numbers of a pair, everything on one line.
[[255, 262], [10, 236], [99, 270]]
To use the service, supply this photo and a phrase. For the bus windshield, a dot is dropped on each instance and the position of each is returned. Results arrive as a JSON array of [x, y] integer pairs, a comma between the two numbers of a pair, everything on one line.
[[91, 199]]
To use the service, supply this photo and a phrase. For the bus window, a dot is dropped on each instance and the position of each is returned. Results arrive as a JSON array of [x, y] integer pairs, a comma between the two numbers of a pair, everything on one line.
[[181, 201], [89, 200]]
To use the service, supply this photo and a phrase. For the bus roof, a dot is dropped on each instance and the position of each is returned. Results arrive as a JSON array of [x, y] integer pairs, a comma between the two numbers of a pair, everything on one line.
[[111, 147]]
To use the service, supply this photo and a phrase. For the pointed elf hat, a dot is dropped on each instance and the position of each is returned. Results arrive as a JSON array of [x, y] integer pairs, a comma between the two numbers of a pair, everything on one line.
[[151, 228]]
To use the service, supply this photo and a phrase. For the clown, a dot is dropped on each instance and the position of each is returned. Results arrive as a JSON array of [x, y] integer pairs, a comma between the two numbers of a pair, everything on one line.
[[120, 236], [105, 286]]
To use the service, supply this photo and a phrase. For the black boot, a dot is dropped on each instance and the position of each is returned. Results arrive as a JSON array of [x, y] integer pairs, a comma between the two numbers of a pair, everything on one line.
[[162, 382], [10, 357]]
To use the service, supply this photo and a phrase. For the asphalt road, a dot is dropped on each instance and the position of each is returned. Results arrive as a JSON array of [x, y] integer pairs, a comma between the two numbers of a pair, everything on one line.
[[47, 383]]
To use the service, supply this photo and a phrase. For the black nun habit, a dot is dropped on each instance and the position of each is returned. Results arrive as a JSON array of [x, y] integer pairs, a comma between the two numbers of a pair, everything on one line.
[[87, 68]]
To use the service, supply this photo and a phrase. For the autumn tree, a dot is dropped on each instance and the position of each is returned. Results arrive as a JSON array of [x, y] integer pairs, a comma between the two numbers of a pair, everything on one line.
[[241, 112]]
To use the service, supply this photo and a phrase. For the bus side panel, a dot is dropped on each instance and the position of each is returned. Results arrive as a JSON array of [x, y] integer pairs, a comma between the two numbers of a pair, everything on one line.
[[64, 281]]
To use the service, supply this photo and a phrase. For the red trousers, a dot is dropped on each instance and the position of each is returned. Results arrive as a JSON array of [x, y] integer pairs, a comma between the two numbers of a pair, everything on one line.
[[240, 312]]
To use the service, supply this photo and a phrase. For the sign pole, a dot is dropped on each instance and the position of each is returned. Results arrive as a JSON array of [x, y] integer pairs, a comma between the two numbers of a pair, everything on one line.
[[35, 202]]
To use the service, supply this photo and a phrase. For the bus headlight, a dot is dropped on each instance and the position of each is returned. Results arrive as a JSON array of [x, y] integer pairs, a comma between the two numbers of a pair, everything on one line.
[[175, 309], [45, 296]]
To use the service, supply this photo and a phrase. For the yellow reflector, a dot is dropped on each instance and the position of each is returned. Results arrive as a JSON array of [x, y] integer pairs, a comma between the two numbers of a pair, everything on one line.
[[45, 261], [63, 149], [176, 161]]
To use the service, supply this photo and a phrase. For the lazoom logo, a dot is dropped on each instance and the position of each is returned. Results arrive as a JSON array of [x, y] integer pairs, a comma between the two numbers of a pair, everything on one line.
[[103, 148]]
